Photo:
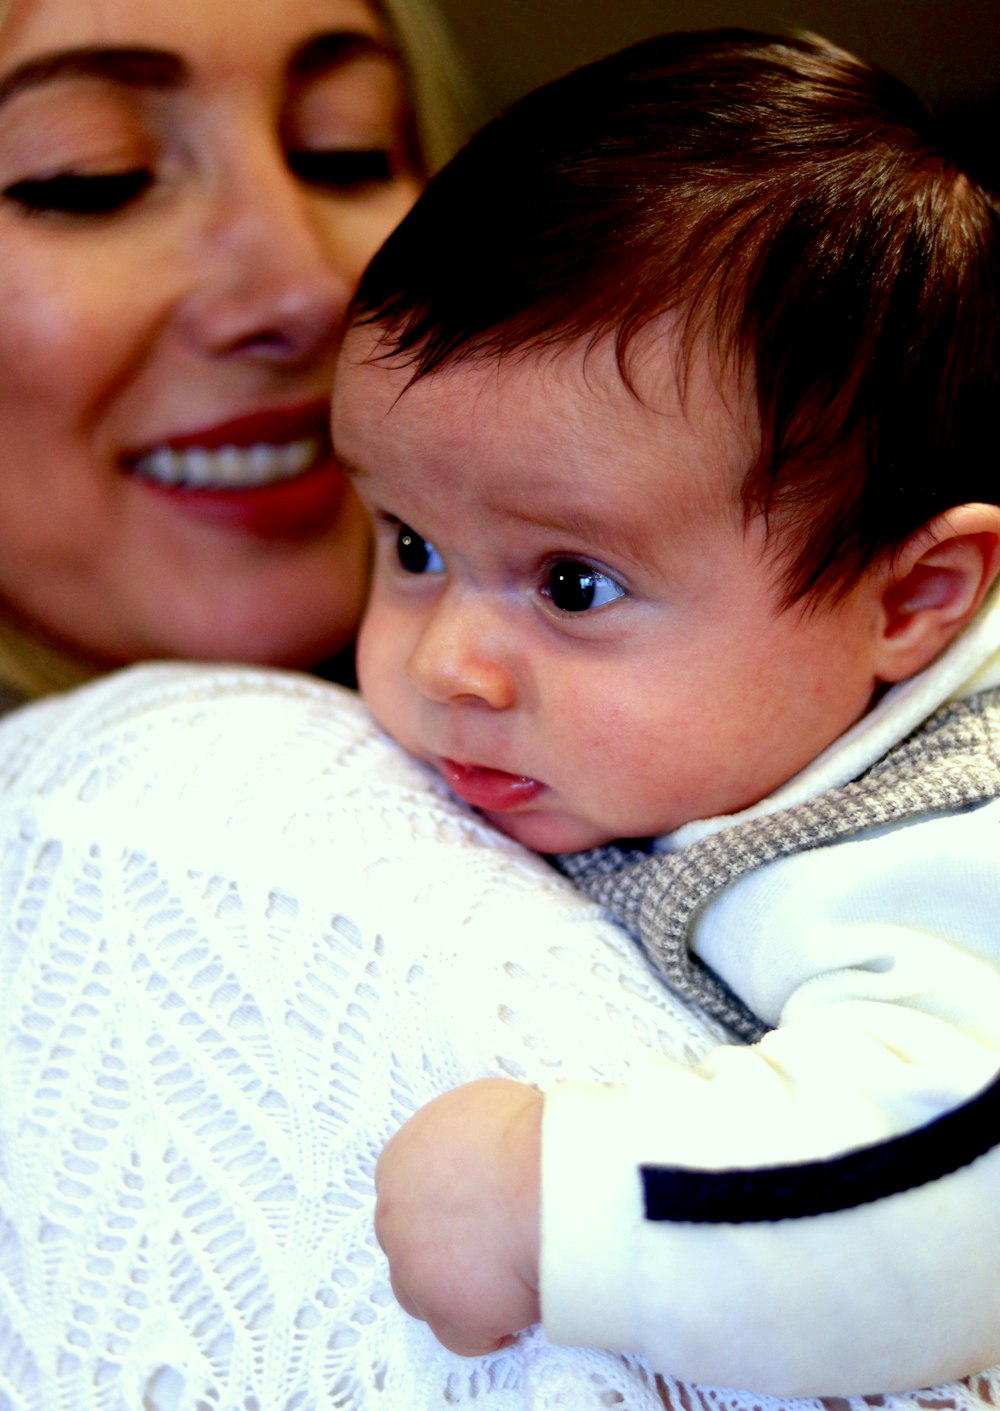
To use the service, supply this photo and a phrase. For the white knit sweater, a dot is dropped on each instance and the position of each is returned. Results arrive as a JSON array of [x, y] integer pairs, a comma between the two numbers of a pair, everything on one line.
[[243, 938]]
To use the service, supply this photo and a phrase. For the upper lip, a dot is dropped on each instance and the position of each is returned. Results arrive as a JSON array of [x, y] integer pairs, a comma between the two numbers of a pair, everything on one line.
[[274, 426], [475, 766]]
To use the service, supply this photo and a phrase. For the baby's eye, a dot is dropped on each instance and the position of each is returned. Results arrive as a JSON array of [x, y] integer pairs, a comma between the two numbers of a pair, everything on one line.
[[342, 169], [415, 554], [79, 194], [577, 587]]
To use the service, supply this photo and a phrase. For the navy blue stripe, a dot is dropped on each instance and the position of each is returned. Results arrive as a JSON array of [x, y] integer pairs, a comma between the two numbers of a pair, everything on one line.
[[765, 1193]]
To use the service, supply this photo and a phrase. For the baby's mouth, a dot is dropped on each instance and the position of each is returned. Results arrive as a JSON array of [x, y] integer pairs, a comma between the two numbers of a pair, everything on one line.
[[492, 790], [230, 467]]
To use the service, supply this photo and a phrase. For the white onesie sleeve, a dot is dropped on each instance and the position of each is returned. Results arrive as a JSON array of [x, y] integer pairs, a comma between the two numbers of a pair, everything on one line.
[[867, 1261]]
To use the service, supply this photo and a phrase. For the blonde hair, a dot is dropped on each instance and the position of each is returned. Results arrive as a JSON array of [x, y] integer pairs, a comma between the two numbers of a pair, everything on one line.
[[31, 667], [446, 106], [446, 110]]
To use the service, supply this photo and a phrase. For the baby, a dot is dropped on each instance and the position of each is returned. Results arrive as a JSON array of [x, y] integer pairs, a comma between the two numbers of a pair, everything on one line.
[[674, 403]]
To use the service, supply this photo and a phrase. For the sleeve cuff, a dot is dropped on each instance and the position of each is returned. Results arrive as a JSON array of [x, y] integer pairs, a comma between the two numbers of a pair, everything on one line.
[[591, 1214]]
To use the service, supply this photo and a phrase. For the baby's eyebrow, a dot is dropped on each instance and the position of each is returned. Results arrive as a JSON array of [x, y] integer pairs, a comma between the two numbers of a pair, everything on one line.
[[614, 533], [133, 67]]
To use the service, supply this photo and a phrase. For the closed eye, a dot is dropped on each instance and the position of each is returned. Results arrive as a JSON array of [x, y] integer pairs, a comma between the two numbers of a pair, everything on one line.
[[78, 193], [342, 169]]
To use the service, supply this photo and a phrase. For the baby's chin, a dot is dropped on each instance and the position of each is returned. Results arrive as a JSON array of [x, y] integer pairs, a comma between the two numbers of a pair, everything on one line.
[[547, 831]]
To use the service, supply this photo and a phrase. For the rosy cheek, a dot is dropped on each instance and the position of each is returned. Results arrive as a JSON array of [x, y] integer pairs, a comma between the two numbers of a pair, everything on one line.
[[33, 329], [55, 333]]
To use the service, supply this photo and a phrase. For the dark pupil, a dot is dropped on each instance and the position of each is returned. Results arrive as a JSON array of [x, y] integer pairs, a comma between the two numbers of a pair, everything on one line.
[[413, 551], [572, 587]]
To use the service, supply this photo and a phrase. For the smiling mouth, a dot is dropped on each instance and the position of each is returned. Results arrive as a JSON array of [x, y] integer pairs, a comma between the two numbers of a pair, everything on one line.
[[231, 467]]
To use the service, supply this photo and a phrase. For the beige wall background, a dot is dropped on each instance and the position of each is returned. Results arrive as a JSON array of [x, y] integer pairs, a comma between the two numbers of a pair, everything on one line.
[[949, 50]]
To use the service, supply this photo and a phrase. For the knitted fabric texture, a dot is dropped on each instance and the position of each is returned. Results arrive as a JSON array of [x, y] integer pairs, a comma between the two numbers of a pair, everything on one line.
[[244, 937], [952, 762]]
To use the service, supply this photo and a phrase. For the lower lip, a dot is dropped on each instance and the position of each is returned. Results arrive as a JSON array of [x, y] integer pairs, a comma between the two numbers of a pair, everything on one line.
[[289, 509], [489, 789]]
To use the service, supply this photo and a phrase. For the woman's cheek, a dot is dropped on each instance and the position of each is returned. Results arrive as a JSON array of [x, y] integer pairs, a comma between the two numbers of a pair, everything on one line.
[[62, 326]]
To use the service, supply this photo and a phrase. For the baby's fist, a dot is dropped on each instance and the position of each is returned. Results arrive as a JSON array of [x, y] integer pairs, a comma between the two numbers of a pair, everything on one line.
[[457, 1213]]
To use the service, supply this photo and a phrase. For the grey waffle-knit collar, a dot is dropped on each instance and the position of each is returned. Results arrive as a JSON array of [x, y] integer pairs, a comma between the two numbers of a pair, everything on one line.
[[951, 762]]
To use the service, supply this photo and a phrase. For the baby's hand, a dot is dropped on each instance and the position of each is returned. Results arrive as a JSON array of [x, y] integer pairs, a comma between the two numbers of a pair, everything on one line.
[[457, 1213]]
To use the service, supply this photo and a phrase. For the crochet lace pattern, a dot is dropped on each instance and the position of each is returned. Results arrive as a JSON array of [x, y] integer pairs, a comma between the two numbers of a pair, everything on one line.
[[240, 947]]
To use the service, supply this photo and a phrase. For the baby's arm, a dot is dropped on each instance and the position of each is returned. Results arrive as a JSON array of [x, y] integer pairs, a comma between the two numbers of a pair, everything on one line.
[[841, 1290], [883, 1294], [457, 1213]]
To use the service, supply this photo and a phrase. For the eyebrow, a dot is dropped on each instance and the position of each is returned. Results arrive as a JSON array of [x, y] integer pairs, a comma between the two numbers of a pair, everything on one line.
[[135, 68], [614, 536], [621, 537], [335, 48]]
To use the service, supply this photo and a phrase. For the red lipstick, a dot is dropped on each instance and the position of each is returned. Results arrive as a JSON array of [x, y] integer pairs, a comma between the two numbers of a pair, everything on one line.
[[277, 425], [295, 504], [292, 509]]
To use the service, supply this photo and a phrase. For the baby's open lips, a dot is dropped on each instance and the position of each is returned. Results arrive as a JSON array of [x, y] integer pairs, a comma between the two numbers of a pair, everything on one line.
[[491, 789]]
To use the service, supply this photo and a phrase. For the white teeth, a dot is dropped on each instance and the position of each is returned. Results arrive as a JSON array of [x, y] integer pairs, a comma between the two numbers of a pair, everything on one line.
[[229, 467]]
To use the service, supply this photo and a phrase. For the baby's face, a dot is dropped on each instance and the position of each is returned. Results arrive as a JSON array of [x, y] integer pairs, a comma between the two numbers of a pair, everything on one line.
[[570, 619]]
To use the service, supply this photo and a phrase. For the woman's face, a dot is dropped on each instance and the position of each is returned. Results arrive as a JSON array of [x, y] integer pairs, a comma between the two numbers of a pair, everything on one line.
[[189, 190]]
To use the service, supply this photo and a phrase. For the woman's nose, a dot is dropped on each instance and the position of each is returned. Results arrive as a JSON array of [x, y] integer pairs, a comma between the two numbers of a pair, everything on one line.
[[460, 658], [273, 279]]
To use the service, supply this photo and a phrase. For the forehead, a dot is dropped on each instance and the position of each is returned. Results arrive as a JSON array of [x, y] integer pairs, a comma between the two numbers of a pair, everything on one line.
[[235, 32], [548, 422]]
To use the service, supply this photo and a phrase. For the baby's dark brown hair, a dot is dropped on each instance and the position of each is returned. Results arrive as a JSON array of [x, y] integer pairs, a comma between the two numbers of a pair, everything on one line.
[[786, 196]]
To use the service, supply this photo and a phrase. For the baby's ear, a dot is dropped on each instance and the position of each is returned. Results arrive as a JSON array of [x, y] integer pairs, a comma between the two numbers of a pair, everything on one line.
[[934, 585]]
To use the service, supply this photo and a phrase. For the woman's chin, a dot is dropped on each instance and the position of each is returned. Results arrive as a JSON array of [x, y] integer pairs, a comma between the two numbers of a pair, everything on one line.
[[287, 642], [282, 613], [297, 653]]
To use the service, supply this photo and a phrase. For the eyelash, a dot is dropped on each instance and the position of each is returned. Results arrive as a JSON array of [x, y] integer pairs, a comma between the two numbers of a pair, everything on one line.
[[77, 194], [342, 169], [97, 194]]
